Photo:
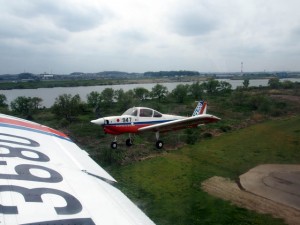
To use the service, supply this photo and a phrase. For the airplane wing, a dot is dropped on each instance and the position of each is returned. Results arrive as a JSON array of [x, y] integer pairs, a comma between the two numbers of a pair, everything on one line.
[[45, 178], [188, 122]]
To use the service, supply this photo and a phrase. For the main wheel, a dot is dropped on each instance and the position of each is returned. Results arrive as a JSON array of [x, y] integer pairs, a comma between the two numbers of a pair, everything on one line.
[[129, 142], [159, 144], [114, 145]]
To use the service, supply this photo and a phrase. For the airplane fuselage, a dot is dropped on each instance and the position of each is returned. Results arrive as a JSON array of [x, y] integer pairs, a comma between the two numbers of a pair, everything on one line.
[[116, 125]]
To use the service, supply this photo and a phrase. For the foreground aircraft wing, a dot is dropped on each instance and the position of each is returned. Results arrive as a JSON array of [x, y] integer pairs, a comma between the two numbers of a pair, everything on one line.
[[47, 179], [188, 122]]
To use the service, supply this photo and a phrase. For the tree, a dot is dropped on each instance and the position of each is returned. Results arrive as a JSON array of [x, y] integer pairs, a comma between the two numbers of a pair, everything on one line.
[[67, 106], [246, 83], [211, 86], [159, 92], [36, 103], [180, 92], [94, 99], [196, 90], [274, 83], [108, 96], [26, 106], [224, 87], [141, 93], [125, 99], [3, 101]]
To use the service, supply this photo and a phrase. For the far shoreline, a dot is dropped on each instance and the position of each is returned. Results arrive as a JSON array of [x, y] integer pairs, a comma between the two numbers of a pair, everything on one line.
[[106, 82]]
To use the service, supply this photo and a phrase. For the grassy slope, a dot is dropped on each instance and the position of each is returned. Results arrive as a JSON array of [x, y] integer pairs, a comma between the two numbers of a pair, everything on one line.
[[168, 189]]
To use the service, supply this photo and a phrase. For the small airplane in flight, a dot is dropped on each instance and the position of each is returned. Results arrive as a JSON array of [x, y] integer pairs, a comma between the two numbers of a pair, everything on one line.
[[141, 119]]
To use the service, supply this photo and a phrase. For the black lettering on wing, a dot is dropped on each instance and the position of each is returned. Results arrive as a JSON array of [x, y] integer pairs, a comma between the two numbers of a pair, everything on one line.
[[35, 195], [31, 142], [23, 173], [18, 152]]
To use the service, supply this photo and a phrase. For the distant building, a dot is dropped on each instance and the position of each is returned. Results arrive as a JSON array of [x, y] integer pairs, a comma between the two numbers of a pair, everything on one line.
[[46, 76]]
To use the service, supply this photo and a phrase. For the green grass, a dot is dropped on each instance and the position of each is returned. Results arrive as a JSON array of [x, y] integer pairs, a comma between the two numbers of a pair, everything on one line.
[[168, 189]]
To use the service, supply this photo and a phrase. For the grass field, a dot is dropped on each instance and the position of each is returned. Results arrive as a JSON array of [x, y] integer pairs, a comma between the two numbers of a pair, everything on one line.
[[167, 187]]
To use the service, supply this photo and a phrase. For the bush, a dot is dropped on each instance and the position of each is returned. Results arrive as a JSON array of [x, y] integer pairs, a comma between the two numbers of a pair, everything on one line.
[[225, 128], [109, 156], [192, 136], [207, 135]]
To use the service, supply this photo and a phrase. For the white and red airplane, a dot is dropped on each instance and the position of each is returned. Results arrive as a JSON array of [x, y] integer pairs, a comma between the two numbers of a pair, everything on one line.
[[141, 119]]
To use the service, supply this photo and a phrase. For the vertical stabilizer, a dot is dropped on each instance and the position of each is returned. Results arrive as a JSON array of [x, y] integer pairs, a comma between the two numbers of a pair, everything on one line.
[[200, 108]]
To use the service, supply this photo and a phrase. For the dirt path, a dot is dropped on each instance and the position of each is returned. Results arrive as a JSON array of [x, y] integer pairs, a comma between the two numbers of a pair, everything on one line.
[[230, 191]]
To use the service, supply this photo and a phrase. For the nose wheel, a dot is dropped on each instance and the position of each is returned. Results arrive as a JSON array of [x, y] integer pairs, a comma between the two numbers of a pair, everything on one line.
[[159, 144], [114, 145]]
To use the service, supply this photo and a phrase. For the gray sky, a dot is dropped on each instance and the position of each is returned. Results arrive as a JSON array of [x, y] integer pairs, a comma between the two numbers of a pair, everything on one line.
[[63, 36]]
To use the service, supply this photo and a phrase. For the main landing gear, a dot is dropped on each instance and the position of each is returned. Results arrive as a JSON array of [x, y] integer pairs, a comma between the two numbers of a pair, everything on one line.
[[159, 144], [129, 142]]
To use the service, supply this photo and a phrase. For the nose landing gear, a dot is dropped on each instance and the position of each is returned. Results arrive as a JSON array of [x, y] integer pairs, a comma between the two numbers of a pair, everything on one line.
[[129, 142], [114, 144]]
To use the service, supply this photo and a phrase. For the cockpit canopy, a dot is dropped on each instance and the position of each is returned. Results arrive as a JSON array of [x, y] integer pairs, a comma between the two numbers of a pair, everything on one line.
[[142, 112]]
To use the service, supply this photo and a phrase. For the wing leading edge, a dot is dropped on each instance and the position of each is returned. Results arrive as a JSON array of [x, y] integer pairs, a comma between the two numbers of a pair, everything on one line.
[[181, 123], [47, 179]]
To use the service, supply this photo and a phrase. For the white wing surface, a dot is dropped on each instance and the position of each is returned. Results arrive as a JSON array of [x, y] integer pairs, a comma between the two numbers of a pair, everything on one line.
[[181, 123], [47, 179]]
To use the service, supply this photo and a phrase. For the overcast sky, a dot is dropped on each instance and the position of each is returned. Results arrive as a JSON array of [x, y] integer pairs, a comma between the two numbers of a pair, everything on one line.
[[63, 36]]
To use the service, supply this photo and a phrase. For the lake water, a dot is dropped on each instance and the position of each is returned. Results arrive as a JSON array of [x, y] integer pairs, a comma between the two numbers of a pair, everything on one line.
[[49, 94]]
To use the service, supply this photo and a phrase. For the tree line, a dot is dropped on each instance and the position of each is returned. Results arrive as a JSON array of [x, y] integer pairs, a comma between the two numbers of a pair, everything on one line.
[[109, 100]]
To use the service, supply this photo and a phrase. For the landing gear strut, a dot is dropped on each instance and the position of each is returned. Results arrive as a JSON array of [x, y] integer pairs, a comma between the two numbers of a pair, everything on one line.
[[114, 144], [159, 144]]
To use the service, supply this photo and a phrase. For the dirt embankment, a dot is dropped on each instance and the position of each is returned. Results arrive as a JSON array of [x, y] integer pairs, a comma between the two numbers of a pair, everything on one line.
[[230, 191]]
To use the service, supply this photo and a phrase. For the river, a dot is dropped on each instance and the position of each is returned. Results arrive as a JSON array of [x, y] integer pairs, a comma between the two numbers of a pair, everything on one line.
[[49, 94]]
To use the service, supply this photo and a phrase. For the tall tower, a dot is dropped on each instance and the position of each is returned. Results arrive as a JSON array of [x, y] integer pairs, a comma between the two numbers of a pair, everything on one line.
[[242, 69]]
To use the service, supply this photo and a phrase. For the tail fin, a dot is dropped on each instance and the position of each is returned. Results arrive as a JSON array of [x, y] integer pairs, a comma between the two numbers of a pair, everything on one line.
[[200, 108]]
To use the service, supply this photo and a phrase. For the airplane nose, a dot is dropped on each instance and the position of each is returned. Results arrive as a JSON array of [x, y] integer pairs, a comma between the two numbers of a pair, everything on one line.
[[99, 121]]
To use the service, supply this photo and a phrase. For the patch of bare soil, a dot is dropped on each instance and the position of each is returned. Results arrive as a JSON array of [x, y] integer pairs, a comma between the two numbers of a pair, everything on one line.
[[228, 190], [292, 98]]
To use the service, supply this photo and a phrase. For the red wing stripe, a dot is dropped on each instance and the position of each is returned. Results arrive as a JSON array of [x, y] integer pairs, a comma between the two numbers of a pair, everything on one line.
[[33, 127]]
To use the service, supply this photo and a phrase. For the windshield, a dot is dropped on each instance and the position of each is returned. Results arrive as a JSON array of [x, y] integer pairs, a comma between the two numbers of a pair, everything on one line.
[[146, 112], [131, 112], [157, 114]]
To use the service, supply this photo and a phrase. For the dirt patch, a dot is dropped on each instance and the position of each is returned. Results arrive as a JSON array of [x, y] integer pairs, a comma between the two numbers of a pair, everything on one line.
[[228, 190], [278, 182], [292, 98]]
